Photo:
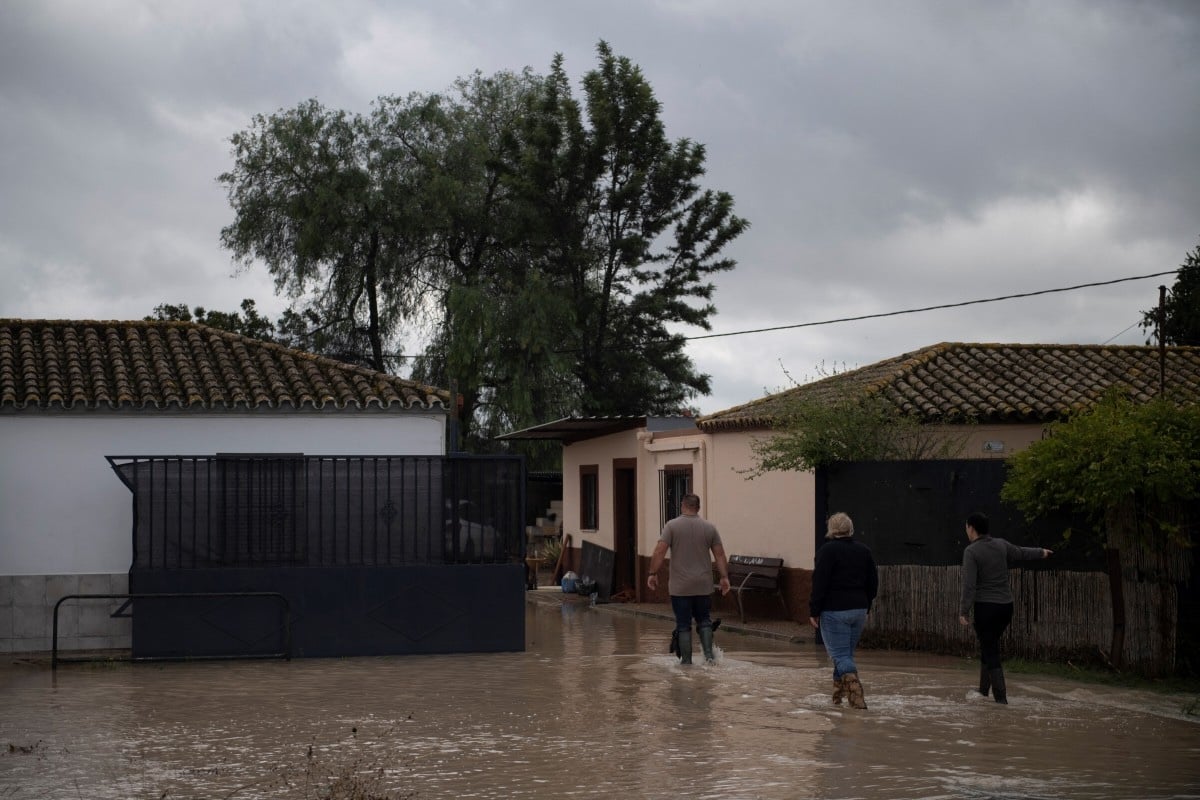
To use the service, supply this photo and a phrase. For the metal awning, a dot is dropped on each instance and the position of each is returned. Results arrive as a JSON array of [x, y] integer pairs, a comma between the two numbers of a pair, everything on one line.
[[576, 429]]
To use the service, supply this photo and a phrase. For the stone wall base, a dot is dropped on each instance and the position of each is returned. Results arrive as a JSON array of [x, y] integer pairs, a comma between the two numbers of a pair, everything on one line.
[[27, 613]]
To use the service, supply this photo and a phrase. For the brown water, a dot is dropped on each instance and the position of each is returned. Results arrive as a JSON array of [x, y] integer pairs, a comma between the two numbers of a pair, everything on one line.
[[595, 708]]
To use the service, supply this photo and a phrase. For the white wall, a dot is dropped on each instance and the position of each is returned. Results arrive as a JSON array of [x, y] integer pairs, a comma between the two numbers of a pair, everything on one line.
[[656, 453], [64, 511], [771, 515], [599, 451]]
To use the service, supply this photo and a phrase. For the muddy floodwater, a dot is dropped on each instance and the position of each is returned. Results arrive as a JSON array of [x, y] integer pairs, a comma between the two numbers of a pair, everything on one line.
[[595, 708]]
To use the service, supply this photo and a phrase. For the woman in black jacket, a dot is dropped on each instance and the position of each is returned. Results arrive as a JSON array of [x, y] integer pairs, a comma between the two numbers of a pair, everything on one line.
[[845, 582]]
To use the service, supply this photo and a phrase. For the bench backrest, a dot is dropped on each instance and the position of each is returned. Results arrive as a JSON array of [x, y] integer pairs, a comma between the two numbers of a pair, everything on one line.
[[765, 571]]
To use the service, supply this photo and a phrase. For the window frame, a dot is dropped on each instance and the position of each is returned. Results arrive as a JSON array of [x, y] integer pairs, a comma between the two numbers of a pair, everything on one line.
[[670, 497], [589, 497]]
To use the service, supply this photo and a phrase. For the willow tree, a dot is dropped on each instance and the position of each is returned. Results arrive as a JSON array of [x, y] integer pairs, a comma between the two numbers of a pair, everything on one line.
[[494, 315], [546, 251], [329, 208]]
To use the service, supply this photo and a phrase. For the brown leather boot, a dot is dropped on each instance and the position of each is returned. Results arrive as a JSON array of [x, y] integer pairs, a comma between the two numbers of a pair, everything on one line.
[[854, 690], [839, 690]]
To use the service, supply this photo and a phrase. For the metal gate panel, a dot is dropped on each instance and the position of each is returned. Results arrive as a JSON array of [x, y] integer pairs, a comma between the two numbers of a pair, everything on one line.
[[352, 611]]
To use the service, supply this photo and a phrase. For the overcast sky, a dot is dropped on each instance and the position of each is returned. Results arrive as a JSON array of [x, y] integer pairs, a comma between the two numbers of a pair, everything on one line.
[[888, 155]]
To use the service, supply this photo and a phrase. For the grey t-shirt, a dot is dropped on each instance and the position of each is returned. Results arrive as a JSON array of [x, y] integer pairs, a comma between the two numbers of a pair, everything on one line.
[[690, 538], [985, 566]]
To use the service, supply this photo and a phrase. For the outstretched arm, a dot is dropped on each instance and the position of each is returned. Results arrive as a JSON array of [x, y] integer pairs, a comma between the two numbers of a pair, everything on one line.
[[1016, 553]]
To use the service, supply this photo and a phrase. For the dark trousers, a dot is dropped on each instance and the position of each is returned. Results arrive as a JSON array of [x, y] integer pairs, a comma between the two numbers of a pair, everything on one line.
[[991, 620], [689, 607]]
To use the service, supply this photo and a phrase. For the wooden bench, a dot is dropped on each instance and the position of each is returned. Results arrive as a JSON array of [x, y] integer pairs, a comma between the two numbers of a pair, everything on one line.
[[754, 574]]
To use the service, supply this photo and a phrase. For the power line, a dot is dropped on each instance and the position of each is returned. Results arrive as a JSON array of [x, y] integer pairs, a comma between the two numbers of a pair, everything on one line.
[[1109, 339], [932, 308], [402, 356]]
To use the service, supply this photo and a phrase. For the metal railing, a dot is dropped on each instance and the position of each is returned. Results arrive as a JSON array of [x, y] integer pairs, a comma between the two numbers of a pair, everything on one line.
[[288, 510], [284, 653]]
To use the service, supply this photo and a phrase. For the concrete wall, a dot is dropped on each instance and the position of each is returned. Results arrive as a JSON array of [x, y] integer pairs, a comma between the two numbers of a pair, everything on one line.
[[27, 607], [996, 441], [771, 515], [65, 515], [656, 452], [599, 451]]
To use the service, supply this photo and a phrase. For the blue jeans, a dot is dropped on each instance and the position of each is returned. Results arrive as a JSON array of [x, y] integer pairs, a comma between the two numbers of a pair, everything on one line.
[[689, 607], [840, 631]]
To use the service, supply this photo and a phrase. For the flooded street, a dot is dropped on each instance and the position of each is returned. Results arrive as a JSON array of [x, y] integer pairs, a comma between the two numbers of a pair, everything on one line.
[[594, 708]]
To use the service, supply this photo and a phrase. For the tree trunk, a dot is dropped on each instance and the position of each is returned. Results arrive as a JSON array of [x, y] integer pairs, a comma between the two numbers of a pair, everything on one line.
[[1116, 590], [374, 329]]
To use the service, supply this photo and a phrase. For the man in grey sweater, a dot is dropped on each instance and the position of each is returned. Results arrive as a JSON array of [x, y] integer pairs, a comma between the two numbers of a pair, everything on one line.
[[985, 566]]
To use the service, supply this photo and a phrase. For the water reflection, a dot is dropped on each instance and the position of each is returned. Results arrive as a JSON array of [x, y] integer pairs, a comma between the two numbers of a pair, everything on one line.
[[594, 708]]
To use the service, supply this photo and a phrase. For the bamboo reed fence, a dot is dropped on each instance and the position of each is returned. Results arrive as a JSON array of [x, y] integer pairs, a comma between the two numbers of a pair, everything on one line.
[[1057, 616]]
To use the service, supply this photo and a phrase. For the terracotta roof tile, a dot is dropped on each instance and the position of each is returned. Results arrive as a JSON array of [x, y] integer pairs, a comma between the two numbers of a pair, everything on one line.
[[68, 364], [990, 382]]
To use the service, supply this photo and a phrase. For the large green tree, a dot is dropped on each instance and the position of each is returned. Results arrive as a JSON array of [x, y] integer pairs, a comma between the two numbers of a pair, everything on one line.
[[1132, 470], [326, 204], [617, 218], [547, 252], [495, 314], [1181, 310]]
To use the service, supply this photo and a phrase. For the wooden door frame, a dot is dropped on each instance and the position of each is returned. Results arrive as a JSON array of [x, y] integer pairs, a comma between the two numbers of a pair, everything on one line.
[[625, 527]]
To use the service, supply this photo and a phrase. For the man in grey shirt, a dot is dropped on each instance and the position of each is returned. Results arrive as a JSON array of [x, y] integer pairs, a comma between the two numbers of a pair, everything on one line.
[[985, 590], [690, 539]]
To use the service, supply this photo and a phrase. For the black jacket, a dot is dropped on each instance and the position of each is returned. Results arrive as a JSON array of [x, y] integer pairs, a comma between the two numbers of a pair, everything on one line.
[[844, 577]]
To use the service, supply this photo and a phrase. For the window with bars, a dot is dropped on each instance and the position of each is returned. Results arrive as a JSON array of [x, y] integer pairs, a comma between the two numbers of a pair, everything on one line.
[[674, 481], [589, 497]]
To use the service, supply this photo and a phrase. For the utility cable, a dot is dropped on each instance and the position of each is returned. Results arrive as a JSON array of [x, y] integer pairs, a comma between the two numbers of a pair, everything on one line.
[[904, 311], [933, 308], [1122, 333]]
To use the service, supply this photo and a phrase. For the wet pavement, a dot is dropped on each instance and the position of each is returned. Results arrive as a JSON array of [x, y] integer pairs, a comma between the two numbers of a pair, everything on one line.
[[595, 707]]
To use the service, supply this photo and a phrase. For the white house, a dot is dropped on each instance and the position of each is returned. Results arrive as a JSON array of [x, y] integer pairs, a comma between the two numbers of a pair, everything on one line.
[[75, 392]]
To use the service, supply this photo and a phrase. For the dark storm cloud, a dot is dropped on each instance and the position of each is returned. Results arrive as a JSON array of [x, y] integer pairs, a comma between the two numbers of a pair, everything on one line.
[[887, 155]]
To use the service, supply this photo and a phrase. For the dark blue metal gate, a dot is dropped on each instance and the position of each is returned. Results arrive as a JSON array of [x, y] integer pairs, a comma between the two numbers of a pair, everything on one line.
[[912, 512], [375, 555]]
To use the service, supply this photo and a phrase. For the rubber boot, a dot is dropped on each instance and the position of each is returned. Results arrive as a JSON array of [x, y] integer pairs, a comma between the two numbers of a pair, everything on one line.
[[999, 690], [685, 646], [985, 681], [706, 637], [839, 690], [854, 690]]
